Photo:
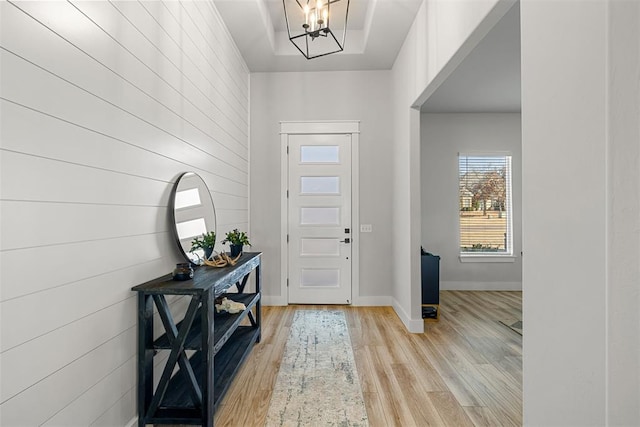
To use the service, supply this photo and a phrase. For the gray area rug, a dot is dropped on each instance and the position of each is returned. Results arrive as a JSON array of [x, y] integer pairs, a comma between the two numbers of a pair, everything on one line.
[[318, 384]]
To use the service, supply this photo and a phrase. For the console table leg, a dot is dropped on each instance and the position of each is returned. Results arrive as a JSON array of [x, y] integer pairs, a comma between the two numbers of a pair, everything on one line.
[[145, 355], [259, 303], [208, 340]]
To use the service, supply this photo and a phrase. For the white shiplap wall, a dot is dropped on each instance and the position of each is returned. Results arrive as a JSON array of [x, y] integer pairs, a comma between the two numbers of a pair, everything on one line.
[[103, 104]]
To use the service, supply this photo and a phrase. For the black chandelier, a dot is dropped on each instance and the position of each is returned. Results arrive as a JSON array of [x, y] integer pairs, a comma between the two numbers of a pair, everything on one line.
[[317, 27]]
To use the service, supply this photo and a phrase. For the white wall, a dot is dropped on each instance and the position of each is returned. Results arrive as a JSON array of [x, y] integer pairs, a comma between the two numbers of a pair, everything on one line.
[[353, 95], [443, 136], [580, 115], [103, 106], [443, 33], [623, 200]]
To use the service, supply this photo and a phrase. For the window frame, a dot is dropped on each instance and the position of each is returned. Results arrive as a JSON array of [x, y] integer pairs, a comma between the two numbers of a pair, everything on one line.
[[508, 254]]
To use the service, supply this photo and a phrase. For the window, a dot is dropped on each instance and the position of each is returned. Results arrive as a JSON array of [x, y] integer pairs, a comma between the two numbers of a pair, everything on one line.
[[485, 205]]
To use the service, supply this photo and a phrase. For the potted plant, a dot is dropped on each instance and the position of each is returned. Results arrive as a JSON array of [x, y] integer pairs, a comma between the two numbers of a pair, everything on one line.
[[206, 242], [236, 240]]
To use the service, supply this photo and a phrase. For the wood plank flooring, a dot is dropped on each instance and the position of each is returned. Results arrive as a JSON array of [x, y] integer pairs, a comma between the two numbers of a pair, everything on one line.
[[465, 370]]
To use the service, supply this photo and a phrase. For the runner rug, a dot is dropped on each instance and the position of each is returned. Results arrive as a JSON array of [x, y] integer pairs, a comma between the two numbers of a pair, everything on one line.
[[317, 384]]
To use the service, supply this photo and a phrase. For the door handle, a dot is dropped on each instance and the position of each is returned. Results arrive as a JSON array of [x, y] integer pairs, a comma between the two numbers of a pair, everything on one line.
[[347, 240]]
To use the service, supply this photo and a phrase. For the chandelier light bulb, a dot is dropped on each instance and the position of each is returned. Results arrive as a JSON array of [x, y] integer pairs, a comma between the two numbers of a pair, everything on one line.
[[306, 17]]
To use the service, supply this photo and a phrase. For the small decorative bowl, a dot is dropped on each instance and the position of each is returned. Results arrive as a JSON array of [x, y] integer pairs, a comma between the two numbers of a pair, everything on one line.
[[183, 271]]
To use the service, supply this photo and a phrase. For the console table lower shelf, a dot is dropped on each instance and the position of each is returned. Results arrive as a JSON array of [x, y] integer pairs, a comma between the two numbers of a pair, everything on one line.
[[205, 349], [177, 405]]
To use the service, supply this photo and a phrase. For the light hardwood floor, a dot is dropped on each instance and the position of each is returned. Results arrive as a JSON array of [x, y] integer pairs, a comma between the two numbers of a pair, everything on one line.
[[465, 370]]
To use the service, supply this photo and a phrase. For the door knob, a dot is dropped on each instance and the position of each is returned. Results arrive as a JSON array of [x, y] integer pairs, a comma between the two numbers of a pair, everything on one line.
[[347, 240]]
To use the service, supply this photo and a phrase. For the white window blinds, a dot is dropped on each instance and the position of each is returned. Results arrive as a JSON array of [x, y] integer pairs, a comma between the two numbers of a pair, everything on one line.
[[485, 204]]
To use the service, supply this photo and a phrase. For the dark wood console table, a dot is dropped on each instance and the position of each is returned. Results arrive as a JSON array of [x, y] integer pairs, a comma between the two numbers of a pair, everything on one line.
[[220, 343]]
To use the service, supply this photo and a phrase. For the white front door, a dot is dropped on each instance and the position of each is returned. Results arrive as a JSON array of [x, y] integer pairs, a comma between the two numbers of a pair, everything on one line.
[[319, 219]]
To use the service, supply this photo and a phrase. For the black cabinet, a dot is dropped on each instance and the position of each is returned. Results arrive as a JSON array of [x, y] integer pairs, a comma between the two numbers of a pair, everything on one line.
[[430, 271], [205, 349]]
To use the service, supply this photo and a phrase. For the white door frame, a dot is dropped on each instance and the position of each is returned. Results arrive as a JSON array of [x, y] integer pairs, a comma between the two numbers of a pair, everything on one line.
[[321, 127]]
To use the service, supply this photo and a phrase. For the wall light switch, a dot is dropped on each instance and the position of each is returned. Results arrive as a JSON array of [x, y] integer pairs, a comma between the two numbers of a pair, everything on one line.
[[366, 228]]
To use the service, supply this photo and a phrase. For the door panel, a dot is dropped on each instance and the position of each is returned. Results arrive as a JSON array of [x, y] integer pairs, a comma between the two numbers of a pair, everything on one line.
[[319, 219]]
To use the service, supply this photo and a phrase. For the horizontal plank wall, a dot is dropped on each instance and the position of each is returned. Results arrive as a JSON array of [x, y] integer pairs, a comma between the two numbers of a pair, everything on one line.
[[103, 105]]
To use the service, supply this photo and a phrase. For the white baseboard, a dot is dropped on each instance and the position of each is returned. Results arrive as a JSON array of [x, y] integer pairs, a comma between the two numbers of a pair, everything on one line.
[[133, 422], [378, 301], [274, 300], [480, 286], [415, 326]]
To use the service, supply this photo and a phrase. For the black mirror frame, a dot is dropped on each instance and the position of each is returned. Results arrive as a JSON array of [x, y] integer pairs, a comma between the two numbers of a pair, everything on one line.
[[172, 214]]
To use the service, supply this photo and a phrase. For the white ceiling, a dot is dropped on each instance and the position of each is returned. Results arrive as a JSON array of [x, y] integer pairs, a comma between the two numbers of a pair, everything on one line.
[[488, 79], [376, 31]]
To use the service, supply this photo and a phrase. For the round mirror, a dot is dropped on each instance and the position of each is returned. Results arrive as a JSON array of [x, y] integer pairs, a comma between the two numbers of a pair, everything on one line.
[[193, 214]]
